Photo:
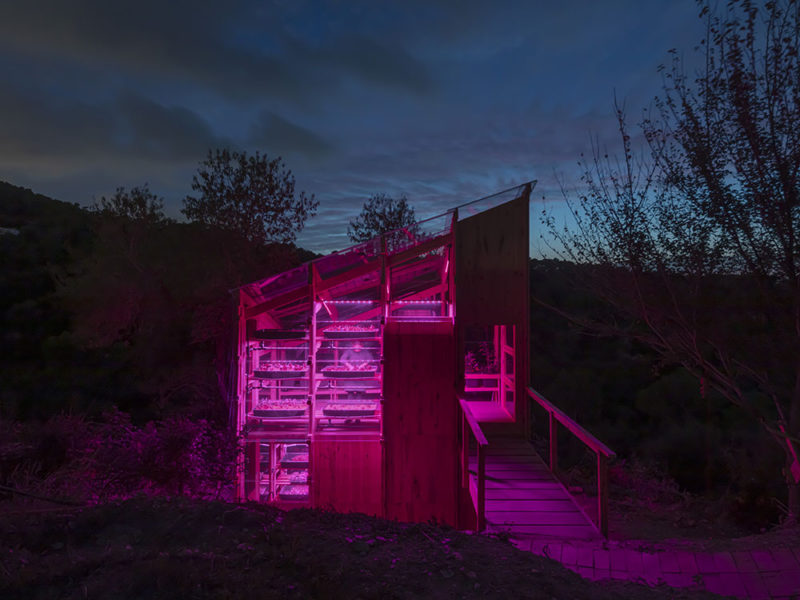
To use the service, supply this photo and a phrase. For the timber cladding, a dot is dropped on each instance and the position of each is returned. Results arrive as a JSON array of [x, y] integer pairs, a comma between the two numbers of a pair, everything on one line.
[[346, 476], [491, 281], [420, 422]]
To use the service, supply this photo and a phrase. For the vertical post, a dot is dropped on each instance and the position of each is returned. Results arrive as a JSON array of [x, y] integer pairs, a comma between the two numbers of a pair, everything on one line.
[[481, 488], [602, 493], [553, 442], [464, 451]]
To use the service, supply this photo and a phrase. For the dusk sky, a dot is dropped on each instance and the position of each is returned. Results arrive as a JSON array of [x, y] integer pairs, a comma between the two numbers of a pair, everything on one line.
[[444, 102]]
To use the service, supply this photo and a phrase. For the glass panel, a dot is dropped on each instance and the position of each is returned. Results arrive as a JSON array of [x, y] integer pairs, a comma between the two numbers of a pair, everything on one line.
[[483, 204], [349, 258], [481, 367], [408, 237], [509, 405], [291, 472], [278, 284]]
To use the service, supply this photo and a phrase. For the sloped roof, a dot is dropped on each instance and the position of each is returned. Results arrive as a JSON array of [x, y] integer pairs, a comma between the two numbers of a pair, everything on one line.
[[411, 250]]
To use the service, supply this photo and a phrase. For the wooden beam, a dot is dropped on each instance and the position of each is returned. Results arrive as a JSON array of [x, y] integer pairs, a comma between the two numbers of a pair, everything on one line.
[[278, 301], [432, 291], [419, 249], [352, 273]]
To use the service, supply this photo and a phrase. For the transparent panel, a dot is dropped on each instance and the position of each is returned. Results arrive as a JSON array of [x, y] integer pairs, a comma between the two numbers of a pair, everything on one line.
[[481, 366], [483, 204], [509, 402], [413, 235], [347, 259], [291, 477], [361, 287], [281, 283], [338, 319], [264, 480], [419, 286]]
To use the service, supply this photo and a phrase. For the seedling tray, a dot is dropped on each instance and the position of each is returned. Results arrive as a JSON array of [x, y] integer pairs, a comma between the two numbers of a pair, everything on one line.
[[349, 374], [278, 412], [346, 335], [279, 374], [278, 334]]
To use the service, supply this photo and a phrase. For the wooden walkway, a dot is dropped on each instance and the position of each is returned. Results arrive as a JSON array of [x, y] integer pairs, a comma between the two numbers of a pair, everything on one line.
[[523, 497]]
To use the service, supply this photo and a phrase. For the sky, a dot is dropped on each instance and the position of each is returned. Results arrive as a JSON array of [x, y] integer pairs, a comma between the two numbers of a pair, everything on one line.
[[441, 101]]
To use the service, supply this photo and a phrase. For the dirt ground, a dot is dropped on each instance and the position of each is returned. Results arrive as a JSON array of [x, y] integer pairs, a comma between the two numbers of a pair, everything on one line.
[[180, 548]]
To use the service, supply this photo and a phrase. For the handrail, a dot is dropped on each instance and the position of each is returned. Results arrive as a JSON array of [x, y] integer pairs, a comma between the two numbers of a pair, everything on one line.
[[479, 502], [603, 452], [568, 422]]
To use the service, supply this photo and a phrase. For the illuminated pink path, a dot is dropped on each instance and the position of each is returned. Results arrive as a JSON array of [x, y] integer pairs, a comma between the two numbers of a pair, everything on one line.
[[756, 574], [523, 498]]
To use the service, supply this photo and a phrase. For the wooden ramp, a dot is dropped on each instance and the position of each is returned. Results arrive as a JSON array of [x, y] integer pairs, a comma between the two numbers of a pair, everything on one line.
[[524, 498]]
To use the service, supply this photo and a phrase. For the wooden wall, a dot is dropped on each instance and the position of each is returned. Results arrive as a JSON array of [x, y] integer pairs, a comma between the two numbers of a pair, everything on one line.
[[491, 279], [420, 422], [346, 476]]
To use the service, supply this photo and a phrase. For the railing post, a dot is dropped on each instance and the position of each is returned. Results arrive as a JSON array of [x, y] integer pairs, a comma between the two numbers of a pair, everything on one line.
[[602, 493], [553, 442], [481, 488], [464, 452]]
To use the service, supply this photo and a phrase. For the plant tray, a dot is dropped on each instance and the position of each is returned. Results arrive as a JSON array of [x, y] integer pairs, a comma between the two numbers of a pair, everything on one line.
[[335, 374], [287, 463], [294, 491], [279, 374], [348, 412], [278, 334], [278, 412], [345, 335]]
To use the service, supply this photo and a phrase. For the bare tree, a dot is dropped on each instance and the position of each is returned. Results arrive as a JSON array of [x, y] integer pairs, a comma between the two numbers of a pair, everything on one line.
[[697, 244]]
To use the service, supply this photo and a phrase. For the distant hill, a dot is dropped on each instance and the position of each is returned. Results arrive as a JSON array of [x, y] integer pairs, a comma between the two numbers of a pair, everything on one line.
[[20, 206]]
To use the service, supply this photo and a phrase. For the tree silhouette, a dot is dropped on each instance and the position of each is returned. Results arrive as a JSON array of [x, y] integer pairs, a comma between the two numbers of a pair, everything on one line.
[[138, 204], [379, 214], [252, 195], [695, 244]]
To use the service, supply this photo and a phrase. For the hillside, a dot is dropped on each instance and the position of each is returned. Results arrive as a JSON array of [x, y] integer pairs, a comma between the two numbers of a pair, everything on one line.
[[158, 548]]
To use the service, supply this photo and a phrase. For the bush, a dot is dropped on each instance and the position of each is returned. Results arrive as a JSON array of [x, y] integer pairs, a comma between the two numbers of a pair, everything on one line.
[[113, 459]]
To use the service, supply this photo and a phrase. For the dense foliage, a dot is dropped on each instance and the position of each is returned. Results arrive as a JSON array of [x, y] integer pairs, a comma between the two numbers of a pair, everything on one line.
[[253, 196], [653, 414]]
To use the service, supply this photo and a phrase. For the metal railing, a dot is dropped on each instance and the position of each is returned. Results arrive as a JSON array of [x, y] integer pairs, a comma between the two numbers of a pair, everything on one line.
[[470, 425], [603, 452]]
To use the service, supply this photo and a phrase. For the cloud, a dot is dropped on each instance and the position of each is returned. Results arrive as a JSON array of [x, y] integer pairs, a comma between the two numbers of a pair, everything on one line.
[[180, 41], [379, 64], [175, 133], [280, 136], [36, 126]]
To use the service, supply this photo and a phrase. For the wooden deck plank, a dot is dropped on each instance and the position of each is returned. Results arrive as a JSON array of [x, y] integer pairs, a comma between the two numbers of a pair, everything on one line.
[[526, 504], [524, 498], [520, 484], [575, 532], [573, 517], [529, 475], [553, 493]]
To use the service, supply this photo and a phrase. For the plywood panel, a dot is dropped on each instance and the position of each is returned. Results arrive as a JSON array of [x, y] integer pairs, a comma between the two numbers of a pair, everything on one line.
[[346, 476], [491, 279], [420, 422]]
